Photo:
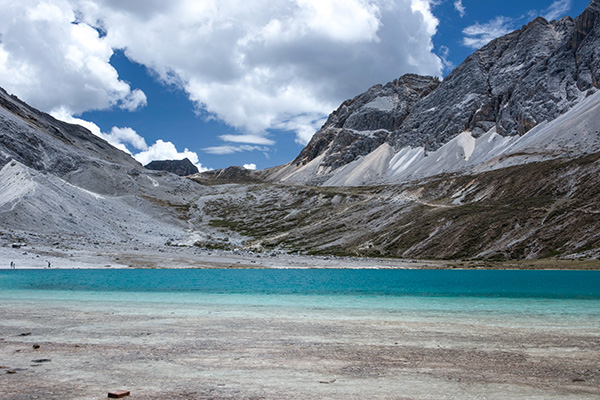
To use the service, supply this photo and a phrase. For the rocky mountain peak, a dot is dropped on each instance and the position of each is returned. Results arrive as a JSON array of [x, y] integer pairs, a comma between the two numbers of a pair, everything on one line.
[[178, 167], [361, 124], [585, 23], [509, 86]]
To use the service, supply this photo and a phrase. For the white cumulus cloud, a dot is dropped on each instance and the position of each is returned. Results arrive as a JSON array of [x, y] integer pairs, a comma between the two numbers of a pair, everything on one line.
[[250, 166], [126, 135], [262, 65], [162, 150], [127, 138], [258, 66], [51, 61]]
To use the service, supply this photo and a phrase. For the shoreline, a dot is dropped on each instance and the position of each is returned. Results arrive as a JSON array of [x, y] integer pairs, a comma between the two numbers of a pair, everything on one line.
[[225, 351], [36, 256]]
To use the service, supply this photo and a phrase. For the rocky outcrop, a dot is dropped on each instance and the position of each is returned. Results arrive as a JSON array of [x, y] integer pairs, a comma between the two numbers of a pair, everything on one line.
[[234, 174], [510, 86], [178, 167], [60, 182], [362, 124]]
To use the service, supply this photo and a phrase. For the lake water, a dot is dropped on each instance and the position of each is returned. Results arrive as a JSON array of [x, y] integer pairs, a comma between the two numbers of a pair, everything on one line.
[[279, 334], [542, 298]]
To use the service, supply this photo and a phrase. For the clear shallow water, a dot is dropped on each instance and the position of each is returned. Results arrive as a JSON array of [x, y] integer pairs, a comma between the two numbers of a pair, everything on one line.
[[425, 283], [550, 298]]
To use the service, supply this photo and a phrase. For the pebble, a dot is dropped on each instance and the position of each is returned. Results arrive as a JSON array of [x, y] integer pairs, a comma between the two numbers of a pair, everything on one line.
[[118, 394], [328, 382], [41, 360]]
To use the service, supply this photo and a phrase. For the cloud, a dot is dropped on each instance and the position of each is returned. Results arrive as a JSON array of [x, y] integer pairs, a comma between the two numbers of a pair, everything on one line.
[[458, 6], [262, 65], [118, 136], [258, 66], [51, 61], [121, 137], [444, 53], [126, 135], [478, 35], [251, 167], [252, 139], [162, 150], [556, 10], [228, 149]]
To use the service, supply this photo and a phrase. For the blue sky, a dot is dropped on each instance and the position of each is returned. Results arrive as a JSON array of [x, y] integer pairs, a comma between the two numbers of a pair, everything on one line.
[[231, 82]]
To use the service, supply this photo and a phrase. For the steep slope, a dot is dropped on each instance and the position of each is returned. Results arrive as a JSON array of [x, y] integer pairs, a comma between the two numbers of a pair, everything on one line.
[[504, 90], [60, 181], [536, 210]]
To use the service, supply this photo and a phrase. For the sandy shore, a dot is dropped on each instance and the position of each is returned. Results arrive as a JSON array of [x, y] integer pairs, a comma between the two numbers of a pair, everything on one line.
[[227, 353], [90, 255], [158, 256]]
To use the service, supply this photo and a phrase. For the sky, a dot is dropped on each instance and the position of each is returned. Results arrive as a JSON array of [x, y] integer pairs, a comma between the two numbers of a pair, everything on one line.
[[233, 82]]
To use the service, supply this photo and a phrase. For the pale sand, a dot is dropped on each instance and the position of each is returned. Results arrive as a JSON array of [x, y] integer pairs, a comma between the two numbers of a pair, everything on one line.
[[135, 255], [225, 352], [149, 256]]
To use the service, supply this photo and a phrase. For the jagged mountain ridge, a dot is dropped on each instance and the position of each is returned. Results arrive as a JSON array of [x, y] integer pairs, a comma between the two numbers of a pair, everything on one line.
[[517, 196], [505, 89], [178, 167], [58, 180]]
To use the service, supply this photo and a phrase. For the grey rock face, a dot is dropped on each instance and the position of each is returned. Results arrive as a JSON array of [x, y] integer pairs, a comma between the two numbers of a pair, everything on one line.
[[178, 167], [58, 180], [515, 82], [71, 152], [360, 125], [233, 174]]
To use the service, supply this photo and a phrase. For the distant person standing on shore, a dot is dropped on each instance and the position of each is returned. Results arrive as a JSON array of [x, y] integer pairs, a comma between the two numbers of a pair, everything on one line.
[[49, 265], [12, 265]]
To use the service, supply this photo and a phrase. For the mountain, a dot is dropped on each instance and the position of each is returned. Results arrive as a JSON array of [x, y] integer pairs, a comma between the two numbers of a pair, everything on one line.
[[178, 167], [498, 161], [61, 183], [500, 107]]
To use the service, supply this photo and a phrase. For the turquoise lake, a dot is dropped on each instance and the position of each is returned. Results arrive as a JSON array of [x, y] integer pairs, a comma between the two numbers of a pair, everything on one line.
[[426, 283], [556, 298]]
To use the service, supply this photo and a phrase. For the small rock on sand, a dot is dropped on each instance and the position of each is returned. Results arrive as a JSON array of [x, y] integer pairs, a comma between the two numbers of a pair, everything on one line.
[[118, 394]]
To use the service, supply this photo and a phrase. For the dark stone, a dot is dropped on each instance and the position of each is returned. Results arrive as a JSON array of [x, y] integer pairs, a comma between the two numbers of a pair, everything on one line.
[[118, 394], [178, 167]]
